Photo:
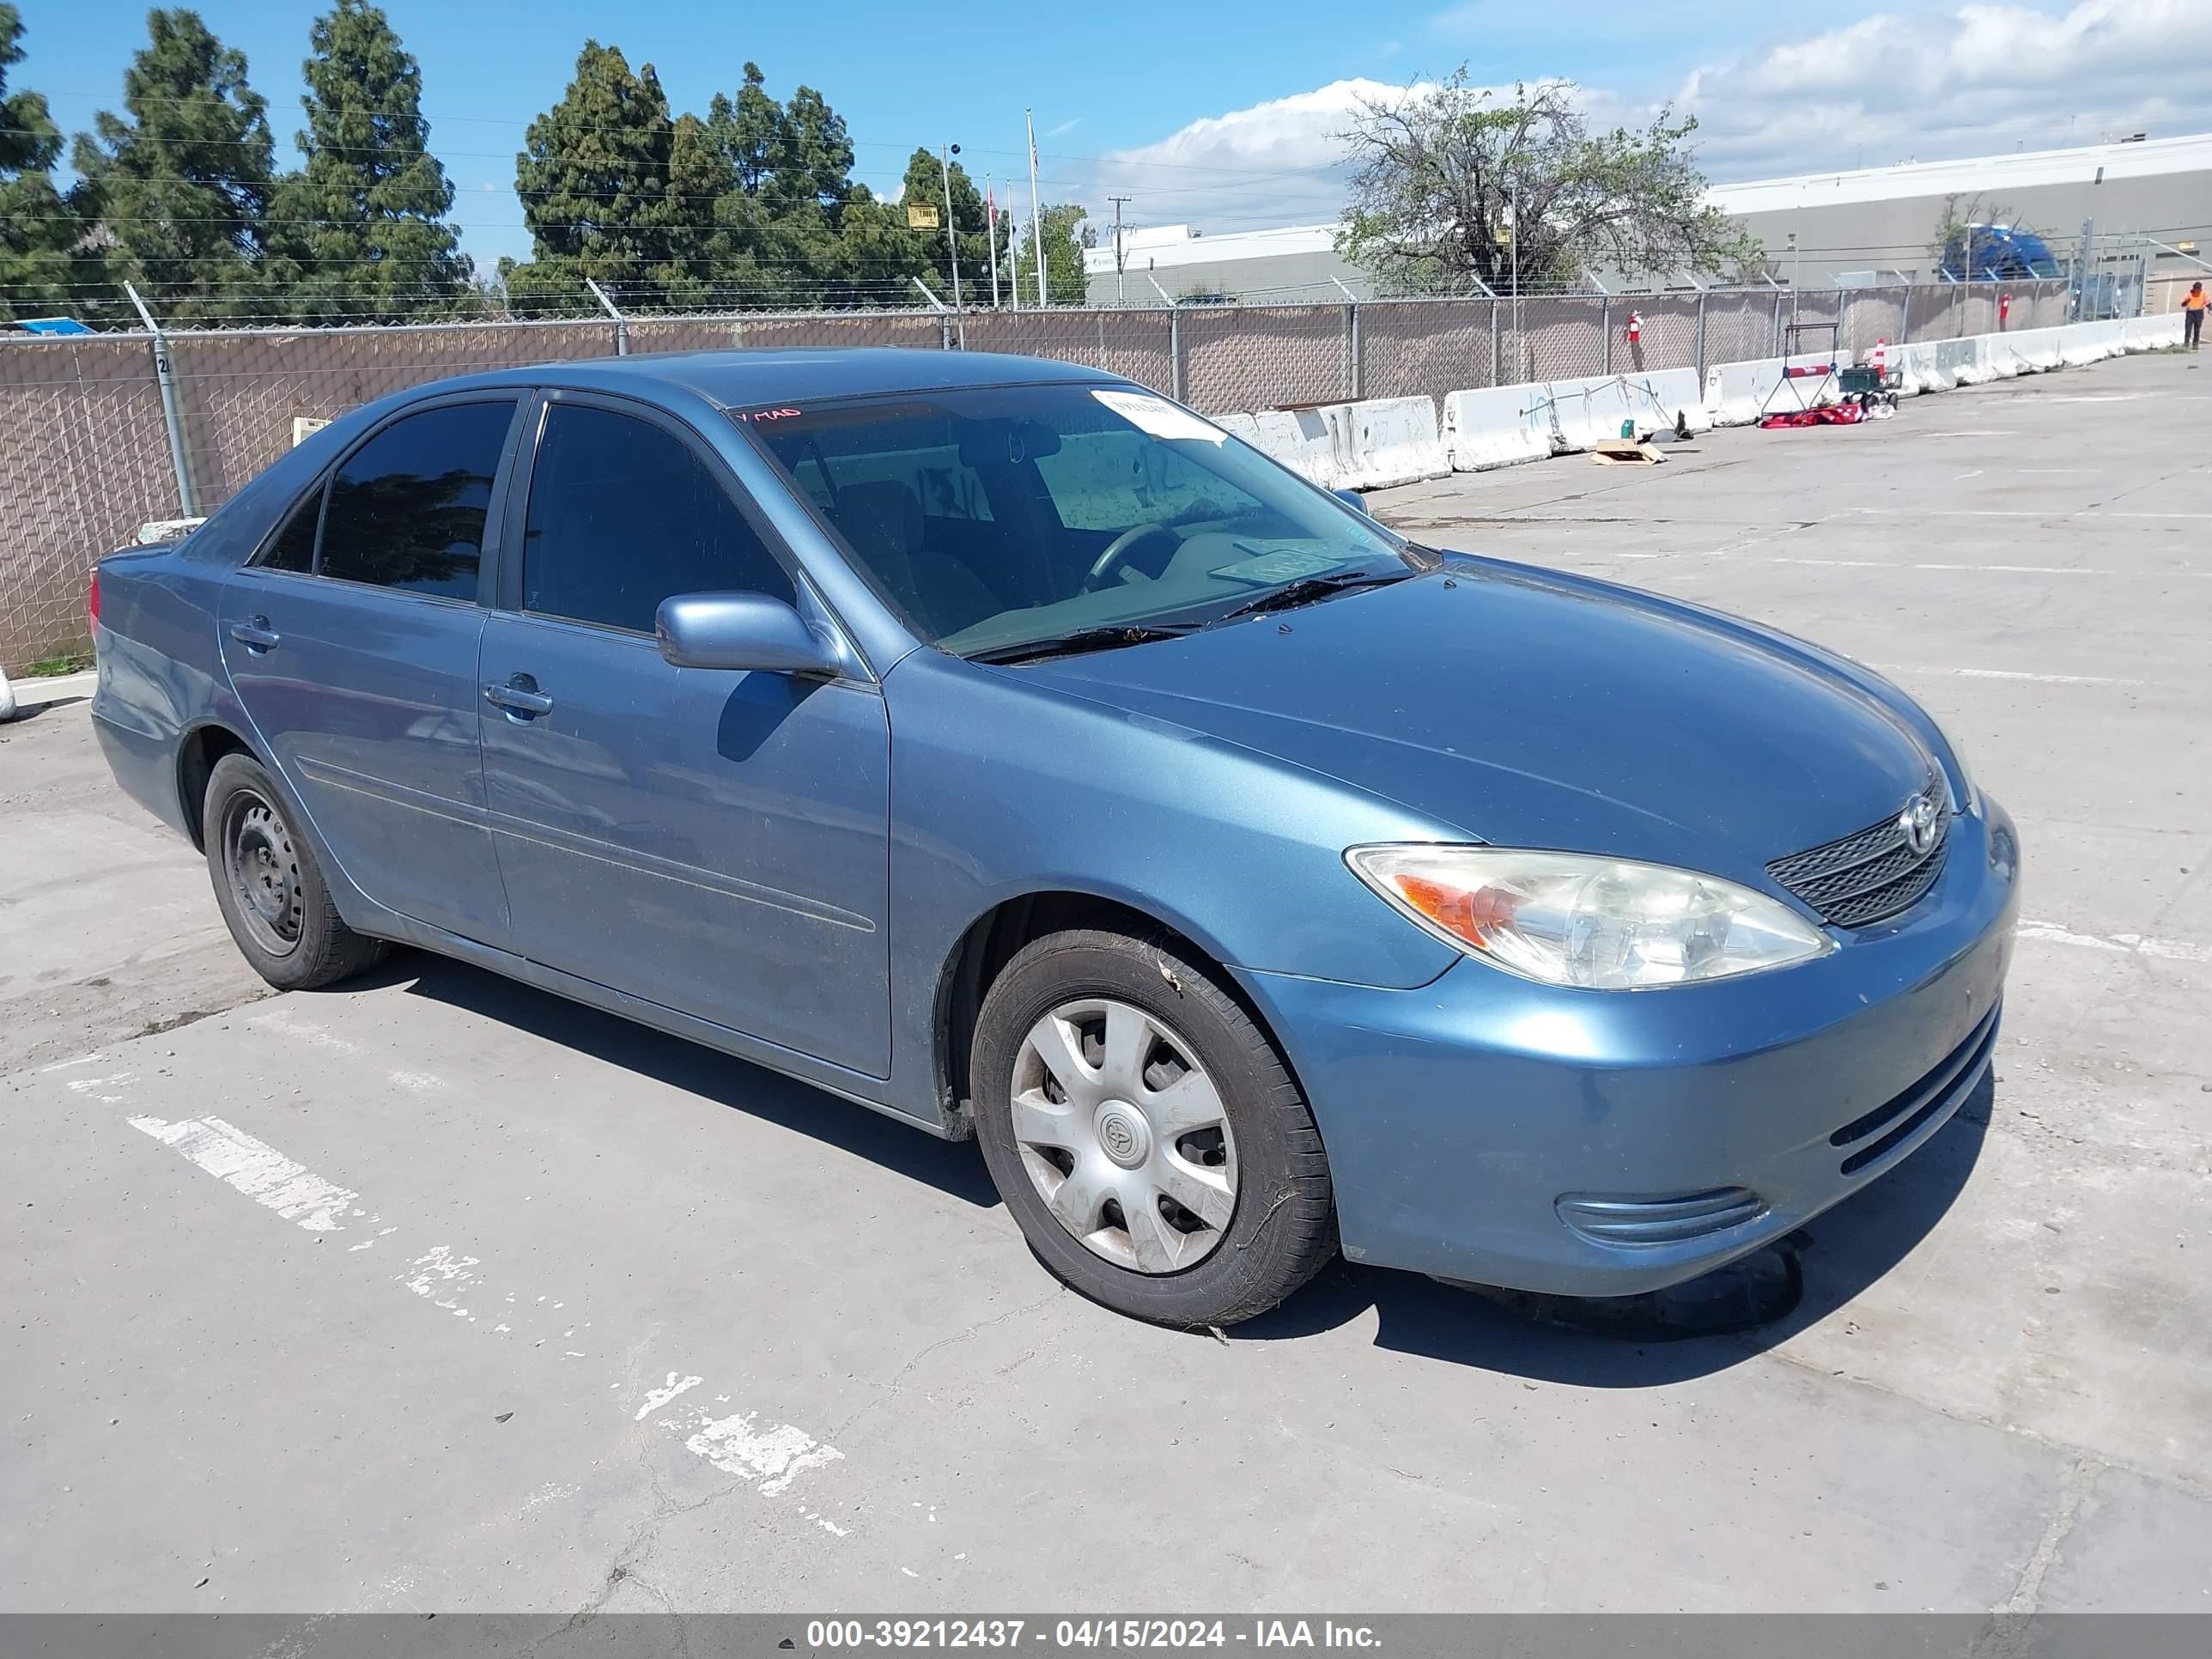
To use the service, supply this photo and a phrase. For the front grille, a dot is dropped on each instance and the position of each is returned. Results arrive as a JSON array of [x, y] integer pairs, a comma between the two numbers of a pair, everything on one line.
[[1870, 875], [1872, 1138]]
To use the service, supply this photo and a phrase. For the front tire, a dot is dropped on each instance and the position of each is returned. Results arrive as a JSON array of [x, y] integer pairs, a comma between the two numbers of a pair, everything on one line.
[[271, 892], [1154, 1149]]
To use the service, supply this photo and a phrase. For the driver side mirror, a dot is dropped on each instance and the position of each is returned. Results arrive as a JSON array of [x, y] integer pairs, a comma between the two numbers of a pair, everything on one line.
[[1352, 499], [747, 632]]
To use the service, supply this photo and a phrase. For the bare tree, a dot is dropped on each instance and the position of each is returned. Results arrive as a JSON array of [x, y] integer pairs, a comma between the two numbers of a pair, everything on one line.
[[1449, 178]]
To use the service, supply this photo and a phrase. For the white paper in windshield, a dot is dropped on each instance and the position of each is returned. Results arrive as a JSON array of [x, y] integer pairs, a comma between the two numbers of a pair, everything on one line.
[[1157, 416], [1284, 564]]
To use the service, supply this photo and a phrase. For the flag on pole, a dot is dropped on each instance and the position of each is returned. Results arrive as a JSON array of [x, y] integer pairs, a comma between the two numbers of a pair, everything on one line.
[[1036, 219]]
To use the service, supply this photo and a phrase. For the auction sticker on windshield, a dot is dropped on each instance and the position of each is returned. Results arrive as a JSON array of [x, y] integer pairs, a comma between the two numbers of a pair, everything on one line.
[[1285, 564], [1158, 418]]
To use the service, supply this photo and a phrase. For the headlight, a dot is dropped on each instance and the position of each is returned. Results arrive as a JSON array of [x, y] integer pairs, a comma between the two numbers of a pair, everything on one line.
[[1600, 924], [1966, 796]]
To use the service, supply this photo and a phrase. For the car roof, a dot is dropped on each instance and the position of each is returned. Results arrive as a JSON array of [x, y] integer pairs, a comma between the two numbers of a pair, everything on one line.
[[743, 378]]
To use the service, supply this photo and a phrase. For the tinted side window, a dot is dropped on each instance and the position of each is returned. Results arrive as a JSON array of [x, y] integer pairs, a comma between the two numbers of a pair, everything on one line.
[[294, 546], [624, 515], [407, 510]]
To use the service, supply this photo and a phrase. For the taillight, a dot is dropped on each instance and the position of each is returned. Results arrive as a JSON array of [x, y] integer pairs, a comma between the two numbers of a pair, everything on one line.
[[92, 599]]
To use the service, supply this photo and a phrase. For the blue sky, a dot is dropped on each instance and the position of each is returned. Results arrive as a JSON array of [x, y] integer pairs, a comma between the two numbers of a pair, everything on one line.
[[1223, 115]]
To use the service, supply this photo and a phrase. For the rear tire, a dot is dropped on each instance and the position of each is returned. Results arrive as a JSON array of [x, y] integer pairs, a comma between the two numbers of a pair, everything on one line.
[[1149, 1140], [271, 892]]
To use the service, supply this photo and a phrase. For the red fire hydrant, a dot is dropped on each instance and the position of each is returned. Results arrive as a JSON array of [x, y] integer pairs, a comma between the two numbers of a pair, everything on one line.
[[2004, 309], [1635, 327]]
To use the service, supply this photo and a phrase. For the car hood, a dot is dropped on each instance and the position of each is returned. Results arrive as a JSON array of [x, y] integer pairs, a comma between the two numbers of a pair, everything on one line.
[[1525, 708]]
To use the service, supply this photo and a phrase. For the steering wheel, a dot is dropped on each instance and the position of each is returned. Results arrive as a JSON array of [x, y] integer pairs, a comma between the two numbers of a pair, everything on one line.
[[1109, 563]]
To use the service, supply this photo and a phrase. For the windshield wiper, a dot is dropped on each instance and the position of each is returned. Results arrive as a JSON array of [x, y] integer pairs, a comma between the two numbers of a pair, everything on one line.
[[1084, 639], [1307, 589]]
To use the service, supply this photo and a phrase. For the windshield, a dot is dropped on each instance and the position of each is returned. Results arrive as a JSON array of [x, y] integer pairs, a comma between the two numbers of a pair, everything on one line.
[[994, 517]]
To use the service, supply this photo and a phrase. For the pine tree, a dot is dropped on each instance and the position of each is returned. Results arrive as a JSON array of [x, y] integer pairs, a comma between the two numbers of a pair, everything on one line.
[[181, 185], [359, 231], [924, 185], [598, 194], [37, 226]]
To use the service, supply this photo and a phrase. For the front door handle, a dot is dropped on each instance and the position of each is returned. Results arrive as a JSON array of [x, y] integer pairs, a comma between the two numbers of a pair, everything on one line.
[[519, 696], [254, 634]]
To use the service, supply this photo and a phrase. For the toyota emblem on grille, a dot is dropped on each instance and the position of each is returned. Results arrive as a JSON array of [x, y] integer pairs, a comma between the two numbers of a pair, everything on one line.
[[1916, 823]]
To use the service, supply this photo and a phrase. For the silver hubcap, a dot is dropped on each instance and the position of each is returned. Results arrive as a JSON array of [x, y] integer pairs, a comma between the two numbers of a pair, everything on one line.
[[265, 872], [1124, 1135]]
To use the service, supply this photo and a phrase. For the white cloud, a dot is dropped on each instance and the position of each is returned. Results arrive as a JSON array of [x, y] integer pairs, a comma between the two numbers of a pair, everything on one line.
[[1277, 163], [1979, 79], [1983, 79]]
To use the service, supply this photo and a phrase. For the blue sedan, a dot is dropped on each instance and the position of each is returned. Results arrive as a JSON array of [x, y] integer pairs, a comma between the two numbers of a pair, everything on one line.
[[1002, 746]]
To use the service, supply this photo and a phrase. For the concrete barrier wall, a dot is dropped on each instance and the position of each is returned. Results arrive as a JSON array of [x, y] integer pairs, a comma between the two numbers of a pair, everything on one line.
[[1385, 441], [1363, 446], [1497, 426], [1664, 398], [1732, 391], [1380, 442]]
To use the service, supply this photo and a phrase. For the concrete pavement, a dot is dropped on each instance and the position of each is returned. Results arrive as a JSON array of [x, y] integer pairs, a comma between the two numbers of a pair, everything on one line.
[[435, 1293]]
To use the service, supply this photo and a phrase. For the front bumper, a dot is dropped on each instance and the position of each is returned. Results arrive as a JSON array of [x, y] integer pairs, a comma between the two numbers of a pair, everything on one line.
[[1458, 1116]]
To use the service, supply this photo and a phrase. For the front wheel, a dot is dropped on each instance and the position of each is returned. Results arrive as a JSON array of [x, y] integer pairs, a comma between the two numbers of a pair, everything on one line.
[[272, 894], [1142, 1129]]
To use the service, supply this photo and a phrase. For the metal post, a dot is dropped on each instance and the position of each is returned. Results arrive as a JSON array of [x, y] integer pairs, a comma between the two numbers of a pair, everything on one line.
[[1355, 371], [1905, 317], [1774, 340], [1701, 341], [1605, 327], [1175, 351], [1496, 378], [172, 414], [951, 243], [991, 235], [621, 322]]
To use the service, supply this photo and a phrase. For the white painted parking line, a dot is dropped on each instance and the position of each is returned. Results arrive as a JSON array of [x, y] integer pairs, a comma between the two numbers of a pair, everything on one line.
[[255, 1168], [2001, 570], [2166, 949], [772, 1455], [2015, 674]]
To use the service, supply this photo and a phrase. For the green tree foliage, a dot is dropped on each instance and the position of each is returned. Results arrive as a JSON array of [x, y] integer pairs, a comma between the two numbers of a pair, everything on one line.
[[784, 190], [1065, 236], [925, 184], [38, 225], [359, 231], [1442, 175], [180, 183], [601, 197]]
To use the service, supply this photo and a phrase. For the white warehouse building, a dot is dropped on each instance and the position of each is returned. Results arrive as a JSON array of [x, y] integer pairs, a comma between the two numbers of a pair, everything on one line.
[[1867, 224]]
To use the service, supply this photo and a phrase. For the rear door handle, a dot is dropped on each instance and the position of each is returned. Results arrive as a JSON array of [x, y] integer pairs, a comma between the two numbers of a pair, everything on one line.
[[519, 696], [255, 633]]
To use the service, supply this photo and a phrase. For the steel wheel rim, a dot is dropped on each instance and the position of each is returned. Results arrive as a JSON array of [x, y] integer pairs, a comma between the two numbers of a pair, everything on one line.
[[263, 869], [1124, 1136]]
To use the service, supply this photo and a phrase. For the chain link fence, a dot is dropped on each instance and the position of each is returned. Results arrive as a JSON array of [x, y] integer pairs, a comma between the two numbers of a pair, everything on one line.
[[88, 452]]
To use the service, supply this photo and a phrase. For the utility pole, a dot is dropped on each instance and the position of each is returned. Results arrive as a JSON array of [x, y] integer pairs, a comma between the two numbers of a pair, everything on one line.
[[1117, 201], [951, 245]]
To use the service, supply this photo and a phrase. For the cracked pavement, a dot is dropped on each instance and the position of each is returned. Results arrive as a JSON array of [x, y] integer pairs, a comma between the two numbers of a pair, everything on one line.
[[600, 1322]]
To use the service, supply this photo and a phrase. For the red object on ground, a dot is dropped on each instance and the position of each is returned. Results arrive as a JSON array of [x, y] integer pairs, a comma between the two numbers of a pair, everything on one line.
[[1827, 414]]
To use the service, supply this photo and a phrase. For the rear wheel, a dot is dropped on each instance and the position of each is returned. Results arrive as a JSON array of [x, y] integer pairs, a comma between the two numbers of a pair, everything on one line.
[[271, 893], [1146, 1135]]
